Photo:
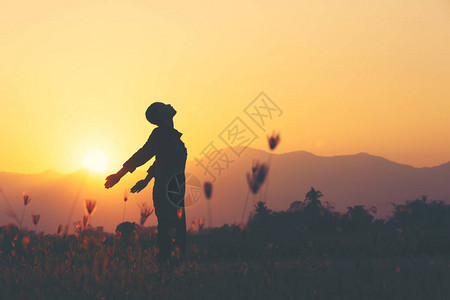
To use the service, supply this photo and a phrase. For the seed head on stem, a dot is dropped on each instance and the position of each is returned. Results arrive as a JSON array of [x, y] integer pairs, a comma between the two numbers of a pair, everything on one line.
[[146, 211], [35, 219], [90, 206], [273, 140]]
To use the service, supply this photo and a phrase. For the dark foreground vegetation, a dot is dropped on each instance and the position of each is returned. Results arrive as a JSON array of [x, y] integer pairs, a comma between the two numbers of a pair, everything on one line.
[[307, 252]]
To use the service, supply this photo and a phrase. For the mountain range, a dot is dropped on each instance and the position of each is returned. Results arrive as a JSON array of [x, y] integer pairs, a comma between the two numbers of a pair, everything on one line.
[[345, 180]]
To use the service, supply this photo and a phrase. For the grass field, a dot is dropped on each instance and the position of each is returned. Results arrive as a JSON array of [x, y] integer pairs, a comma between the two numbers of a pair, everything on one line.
[[226, 263]]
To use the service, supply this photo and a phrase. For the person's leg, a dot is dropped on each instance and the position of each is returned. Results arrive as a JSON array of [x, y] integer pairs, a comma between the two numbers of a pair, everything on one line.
[[180, 231], [178, 214], [164, 223], [163, 238], [180, 226]]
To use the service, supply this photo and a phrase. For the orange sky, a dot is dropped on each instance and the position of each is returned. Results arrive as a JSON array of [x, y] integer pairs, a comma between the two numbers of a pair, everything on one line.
[[350, 76]]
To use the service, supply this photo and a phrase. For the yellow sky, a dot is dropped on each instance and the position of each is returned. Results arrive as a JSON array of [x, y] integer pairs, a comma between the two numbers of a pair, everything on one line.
[[350, 76]]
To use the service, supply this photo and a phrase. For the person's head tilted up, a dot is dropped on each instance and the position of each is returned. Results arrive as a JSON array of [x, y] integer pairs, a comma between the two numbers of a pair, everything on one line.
[[159, 113]]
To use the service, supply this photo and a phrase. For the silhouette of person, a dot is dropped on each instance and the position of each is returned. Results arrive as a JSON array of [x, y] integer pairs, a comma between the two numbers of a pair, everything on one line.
[[165, 144]]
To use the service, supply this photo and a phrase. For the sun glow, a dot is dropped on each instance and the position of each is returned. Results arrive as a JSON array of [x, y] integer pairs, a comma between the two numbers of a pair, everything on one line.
[[96, 160]]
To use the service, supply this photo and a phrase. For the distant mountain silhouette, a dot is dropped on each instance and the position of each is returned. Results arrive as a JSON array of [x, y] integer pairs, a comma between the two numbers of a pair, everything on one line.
[[344, 180]]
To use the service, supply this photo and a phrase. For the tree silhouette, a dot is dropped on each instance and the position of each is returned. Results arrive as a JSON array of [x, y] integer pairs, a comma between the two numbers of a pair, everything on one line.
[[261, 209], [422, 214], [297, 206], [357, 218], [260, 221], [312, 198]]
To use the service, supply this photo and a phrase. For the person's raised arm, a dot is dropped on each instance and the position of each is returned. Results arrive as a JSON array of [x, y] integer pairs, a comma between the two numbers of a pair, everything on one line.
[[112, 179], [144, 154], [141, 184]]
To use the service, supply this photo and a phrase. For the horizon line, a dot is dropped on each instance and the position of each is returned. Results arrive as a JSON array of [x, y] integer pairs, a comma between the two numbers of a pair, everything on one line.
[[257, 149]]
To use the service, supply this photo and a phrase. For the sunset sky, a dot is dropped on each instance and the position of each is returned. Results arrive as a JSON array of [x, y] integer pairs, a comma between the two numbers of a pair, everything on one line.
[[349, 75]]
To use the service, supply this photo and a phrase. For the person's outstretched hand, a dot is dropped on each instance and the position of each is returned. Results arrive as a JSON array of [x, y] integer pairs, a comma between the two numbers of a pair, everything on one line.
[[111, 180], [139, 186]]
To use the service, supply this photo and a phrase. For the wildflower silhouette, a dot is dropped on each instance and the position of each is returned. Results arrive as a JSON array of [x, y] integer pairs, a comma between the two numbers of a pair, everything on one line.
[[165, 144], [273, 142], [125, 199], [207, 188], [146, 212], [90, 206], [255, 179], [26, 200], [35, 219]]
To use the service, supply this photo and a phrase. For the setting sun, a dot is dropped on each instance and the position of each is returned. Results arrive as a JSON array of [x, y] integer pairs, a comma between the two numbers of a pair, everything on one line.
[[96, 160]]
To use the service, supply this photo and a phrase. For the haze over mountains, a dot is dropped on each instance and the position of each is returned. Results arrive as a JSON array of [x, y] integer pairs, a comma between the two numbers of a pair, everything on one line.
[[360, 179]]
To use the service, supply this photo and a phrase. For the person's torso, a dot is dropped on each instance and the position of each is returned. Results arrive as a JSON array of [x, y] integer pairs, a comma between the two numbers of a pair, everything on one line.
[[171, 154]]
